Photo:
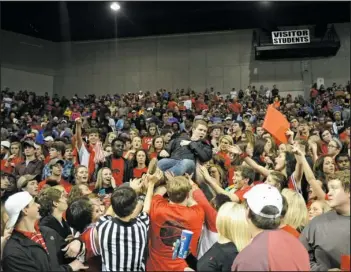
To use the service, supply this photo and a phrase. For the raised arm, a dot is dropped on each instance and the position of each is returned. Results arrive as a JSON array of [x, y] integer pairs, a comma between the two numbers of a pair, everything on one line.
[[258, 168], [151, 180], [214, 185], [79, 133], [311, 179]]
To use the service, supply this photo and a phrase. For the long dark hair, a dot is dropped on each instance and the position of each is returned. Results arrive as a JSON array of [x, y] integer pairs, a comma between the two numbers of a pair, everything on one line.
[[135, 162], [290, 163]]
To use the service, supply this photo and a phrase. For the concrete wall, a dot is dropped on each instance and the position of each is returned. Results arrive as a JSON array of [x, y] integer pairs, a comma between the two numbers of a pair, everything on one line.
[[221, 60], [27, 63], [22, 80]]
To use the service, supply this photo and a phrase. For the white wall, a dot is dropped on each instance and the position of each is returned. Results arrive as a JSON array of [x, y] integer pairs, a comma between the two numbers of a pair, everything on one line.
[[21, 80]]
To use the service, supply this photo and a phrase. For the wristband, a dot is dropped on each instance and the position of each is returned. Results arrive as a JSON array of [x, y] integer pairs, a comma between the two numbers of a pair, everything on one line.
[[141, 198], [243, 155]]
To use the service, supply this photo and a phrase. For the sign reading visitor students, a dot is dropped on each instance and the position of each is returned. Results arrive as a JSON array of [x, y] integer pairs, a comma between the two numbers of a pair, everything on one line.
[[291, 36]]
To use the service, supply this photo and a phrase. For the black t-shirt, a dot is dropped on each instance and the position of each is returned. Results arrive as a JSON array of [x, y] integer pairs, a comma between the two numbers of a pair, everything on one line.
[[219, 257]]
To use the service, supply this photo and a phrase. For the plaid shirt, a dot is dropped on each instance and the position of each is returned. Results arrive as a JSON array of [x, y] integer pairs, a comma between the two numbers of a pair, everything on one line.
[[36, 237], [67, 171]]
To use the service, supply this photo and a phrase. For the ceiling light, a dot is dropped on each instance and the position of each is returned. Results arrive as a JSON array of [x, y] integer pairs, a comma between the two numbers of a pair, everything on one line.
[[114, 6]]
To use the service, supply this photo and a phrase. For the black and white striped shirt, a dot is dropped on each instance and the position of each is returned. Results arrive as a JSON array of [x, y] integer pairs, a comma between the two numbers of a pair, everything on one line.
[[123, 244]]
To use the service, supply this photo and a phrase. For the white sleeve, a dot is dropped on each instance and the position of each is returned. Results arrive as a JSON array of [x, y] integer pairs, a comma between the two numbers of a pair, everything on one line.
[[84, 156]]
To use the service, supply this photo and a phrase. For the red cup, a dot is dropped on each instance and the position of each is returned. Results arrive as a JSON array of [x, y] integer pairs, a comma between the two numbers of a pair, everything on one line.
[[345, 263]]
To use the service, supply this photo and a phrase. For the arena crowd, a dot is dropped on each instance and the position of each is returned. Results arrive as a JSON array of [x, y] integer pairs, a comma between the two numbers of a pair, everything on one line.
[[108, 183]]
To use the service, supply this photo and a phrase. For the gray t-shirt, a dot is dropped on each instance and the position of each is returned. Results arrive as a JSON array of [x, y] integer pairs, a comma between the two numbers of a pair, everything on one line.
[[326, 239]]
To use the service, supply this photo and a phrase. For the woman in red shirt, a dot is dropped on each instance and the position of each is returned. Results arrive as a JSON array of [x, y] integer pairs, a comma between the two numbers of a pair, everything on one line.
[[147, 140], [15, 158], [136, 144], [140, 163], [158, 144], [224, 142]]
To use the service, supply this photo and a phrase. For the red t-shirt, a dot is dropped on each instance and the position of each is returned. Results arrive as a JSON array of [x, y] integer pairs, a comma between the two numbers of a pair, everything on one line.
[[225, 157], [235, 107], [172, 104], [291, 230], [167, 222], [240, 193], [62, 182], [146, 143], [11, 166], [117, 168], [138, 173], [153, 155], [231, 171], [92, 255]]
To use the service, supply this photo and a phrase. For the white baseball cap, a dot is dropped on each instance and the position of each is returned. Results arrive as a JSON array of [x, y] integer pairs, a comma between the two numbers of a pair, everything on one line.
[[48, 139], [263, 195], [14, 205], [6, 144]]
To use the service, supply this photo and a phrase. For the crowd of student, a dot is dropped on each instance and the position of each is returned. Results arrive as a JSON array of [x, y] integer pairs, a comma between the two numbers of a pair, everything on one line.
[[108, 183]]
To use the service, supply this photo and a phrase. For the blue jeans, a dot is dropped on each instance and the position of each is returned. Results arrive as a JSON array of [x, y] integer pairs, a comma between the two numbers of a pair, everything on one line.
[[177, 167]]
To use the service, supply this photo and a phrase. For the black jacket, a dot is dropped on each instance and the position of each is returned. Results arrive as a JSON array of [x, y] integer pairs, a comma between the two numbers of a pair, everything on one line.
[[52, 223], [22, 254], [195, 150], [128, 168]]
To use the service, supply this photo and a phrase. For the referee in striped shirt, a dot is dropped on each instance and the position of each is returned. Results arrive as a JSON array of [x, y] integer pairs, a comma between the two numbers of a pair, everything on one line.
[[123, 238]]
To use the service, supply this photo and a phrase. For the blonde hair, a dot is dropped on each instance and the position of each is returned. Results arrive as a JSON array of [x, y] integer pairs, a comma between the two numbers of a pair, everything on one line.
[[297, 213], [324, 205], [99, 180], [227, 138], [250, 136], [59, 187], [178, 189], [232, 224]]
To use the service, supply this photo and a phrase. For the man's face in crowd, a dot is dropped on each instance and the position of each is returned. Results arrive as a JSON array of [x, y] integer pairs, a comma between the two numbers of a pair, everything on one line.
[[117, 149], [294, 123], [216, 132], [187, 123], [168, 137], [29, 151], [343, 163], [53, 153], [337, 196], [3, 150], [68, 154], [259, 131], [4, 182], [32, 187], [337, 116], [238, 180], [93, 138], [236, 127], [94, 123], [126, 125], [57, 169], [304, 128], [200, 132]]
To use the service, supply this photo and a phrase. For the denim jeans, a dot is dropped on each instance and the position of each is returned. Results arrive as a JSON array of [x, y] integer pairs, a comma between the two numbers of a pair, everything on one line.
[[177, 167], [346, 114]]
